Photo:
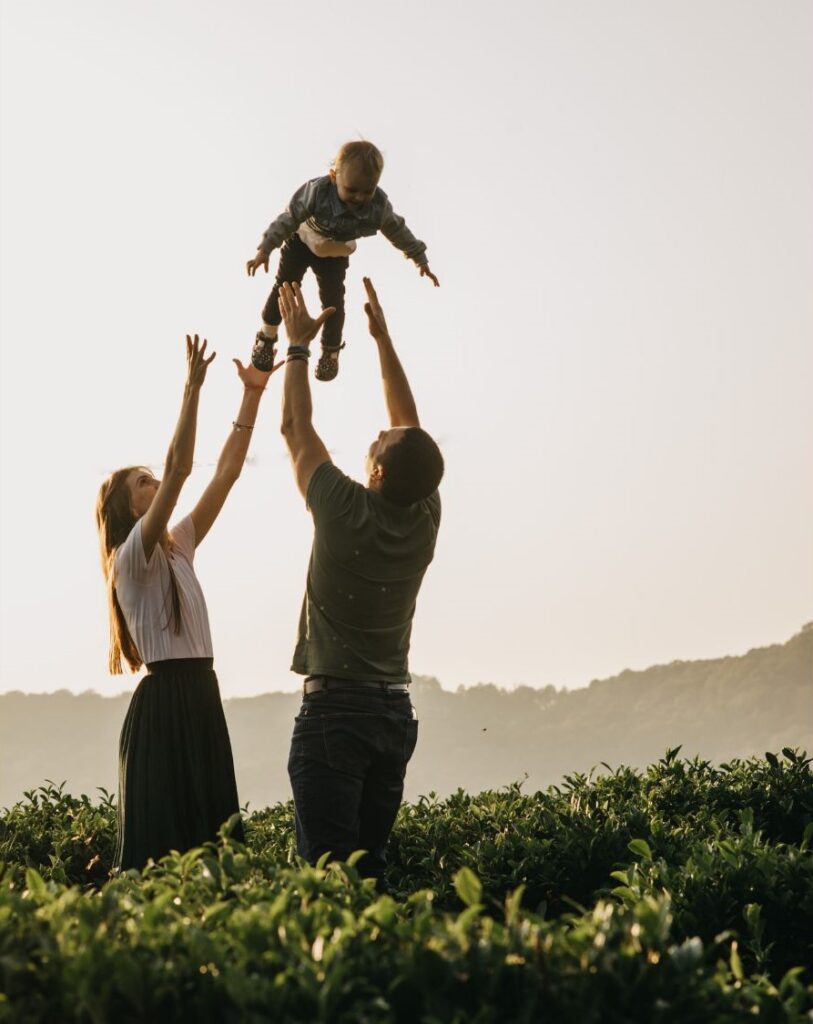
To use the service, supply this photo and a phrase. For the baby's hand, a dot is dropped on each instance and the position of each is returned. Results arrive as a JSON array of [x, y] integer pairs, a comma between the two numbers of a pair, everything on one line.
[[426, 272], [260, 260]]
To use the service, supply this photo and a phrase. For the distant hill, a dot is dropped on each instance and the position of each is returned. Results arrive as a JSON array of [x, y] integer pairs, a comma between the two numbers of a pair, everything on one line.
[[476, 738]]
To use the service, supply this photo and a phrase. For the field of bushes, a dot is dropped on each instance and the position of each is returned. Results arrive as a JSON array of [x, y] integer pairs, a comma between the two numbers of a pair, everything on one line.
[[680, 893]]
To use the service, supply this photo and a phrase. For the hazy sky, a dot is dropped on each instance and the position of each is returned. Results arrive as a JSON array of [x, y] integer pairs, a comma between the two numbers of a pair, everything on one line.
[[618, 200]]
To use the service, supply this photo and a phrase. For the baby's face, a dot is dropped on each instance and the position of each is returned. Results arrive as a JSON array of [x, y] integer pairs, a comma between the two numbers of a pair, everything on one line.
[[353, 185]]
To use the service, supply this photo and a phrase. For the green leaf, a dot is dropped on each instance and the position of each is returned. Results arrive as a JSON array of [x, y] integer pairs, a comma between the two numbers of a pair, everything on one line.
[[36, 885], [468, 886], [772, 759], [753, 918], [747, 820], [736, 963], [640, 847], [791, 981], [384, 911], [513, 904], [217, 912]]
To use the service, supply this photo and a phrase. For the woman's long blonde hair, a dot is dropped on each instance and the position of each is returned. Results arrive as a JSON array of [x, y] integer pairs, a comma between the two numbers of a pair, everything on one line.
[[114, 521]]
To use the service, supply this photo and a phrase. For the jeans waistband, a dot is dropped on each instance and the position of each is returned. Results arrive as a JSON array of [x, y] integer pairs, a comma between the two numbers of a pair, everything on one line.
[[178, 665]]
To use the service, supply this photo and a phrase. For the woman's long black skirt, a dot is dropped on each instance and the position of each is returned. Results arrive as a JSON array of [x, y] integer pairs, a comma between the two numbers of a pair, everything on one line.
[[176, 772]]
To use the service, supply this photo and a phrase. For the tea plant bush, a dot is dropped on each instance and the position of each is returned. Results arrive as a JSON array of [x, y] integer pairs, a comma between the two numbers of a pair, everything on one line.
[[680, 893], [562, 844], [68, 839]]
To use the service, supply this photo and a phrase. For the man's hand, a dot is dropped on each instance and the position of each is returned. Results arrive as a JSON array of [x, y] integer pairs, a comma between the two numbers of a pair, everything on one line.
[[300, 326], [426, 272], [375, 314], [253, 378], [260, 260], [397, 393]]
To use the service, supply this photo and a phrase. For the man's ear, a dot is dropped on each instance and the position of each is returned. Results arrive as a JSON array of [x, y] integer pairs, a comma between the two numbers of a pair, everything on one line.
[[377, 473], [332, 173]]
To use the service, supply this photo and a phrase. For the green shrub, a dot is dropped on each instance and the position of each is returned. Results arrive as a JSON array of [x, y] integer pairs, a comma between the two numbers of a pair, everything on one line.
[[681, 893], [66, 838]]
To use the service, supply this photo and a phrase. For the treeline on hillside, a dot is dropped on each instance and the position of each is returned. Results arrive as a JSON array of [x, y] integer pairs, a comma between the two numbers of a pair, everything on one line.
[[477, 738]]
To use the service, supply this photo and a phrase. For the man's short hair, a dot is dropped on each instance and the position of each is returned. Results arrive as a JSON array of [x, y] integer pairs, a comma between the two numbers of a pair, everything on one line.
[[413, 468]]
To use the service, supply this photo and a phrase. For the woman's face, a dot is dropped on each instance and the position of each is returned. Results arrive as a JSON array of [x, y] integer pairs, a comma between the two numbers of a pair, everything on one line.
[[142, 486]]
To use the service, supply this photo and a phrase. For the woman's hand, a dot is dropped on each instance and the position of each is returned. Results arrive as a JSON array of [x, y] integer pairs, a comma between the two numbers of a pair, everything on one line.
[[234, 452], [260, 260], [426, 272], [300, 326], [196, 362], [178, 464], [252, 378]]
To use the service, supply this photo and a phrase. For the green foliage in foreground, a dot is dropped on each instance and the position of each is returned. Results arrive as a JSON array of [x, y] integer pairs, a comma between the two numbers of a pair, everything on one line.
[[683, 893]]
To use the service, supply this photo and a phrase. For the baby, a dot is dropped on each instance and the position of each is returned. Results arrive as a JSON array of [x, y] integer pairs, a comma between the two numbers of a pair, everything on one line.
[[319, 230]]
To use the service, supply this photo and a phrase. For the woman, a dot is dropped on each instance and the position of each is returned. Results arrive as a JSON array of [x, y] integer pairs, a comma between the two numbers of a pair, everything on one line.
[[176, 773]]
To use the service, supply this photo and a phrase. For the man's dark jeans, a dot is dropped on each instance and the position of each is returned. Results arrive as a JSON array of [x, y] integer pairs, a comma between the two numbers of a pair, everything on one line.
[[348, 760], [294, 259]]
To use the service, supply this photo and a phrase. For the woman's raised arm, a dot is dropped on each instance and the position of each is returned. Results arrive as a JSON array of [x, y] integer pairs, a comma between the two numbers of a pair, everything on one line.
[[178, 463], [234, 452]]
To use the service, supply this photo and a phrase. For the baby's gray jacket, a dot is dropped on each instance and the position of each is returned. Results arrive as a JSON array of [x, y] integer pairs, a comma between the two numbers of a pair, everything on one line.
[[317, 203]]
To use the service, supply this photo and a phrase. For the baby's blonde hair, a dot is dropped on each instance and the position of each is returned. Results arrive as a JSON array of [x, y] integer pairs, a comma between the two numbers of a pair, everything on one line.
[[364, 155]]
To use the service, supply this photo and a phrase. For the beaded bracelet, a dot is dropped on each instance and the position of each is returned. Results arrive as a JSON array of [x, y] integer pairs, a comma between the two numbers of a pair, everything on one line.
[[241, 426], [298, 352]]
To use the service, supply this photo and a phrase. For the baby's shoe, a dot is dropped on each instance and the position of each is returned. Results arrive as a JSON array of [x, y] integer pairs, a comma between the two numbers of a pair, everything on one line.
[[262, 355], [328, 366]]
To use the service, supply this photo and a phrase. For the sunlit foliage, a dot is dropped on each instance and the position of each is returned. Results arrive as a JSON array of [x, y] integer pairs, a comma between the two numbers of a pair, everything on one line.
[[683, 892]]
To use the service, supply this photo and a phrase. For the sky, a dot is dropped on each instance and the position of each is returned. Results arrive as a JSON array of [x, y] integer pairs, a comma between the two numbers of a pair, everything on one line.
[[618, 201]]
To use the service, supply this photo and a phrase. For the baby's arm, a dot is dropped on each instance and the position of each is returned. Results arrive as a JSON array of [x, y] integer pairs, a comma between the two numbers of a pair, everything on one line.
[[298, 210], [395, 229]]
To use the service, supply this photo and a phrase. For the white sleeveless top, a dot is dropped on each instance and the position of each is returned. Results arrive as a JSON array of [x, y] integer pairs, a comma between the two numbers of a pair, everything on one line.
[[144, 591]]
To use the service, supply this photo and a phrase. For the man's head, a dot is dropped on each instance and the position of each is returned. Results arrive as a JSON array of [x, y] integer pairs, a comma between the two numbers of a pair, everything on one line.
[[404, 465]]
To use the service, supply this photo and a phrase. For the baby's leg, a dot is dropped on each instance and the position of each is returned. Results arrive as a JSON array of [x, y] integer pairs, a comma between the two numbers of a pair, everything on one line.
[[294, 259], [330, 272]]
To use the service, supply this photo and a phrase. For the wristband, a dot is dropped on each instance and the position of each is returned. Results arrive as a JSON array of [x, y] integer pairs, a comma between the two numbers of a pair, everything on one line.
[[299, 352]]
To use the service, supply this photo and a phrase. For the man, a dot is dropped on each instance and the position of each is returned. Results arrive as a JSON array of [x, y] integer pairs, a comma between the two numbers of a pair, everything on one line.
[[356, 729]]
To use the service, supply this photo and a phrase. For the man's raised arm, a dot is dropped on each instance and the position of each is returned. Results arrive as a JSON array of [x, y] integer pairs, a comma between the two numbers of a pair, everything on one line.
[[306, 447], [397, 392]]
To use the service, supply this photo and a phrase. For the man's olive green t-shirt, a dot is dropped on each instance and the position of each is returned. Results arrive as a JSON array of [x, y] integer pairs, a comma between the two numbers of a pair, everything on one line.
[[367, 563]]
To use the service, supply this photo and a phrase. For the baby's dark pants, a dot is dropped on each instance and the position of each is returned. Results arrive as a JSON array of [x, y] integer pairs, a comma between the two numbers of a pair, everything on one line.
[[294, 259]]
